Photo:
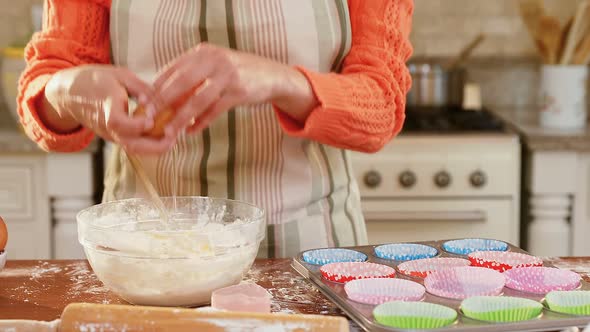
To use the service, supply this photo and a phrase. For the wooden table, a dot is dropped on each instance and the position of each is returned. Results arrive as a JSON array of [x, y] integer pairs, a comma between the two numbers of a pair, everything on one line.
[[40, 290]]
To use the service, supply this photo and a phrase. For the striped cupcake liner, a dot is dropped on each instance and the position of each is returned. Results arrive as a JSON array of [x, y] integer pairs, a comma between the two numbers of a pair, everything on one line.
[[347, 271]]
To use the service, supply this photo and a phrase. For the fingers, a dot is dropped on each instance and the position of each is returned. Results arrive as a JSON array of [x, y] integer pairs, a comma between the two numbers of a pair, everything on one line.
[[181, 83], [118, 122], [222, 105], [133, 84], [196, 105]]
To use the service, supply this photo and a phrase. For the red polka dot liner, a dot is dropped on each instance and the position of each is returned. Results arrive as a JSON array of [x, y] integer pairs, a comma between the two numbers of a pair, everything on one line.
[[463, 282], [422, 267], [541, 280], [378, 291], [503, 260], [345, 272]]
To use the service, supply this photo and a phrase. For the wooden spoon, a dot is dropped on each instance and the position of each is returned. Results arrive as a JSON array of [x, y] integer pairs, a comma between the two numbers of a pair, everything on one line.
[[550, 34], [577, 31], [531, 12], [582, 54], [466, 52]]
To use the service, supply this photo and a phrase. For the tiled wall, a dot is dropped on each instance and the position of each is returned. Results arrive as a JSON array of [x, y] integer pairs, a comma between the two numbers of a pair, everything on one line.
[[505, 64]]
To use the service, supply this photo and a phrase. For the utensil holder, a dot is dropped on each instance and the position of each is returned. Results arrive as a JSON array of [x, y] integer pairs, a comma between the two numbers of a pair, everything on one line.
[[563, 97]]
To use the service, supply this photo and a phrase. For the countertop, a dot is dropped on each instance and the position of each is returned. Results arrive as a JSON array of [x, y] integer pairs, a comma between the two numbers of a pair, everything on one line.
[[40, 290], [525, 121]]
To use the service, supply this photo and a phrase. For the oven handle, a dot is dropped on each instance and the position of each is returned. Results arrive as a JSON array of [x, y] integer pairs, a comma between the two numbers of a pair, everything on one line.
[[399, 216]]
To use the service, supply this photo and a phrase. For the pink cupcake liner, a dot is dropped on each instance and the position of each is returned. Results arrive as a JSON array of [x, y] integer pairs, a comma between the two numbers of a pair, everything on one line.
[[422, 267], [463, 282], [344, 272], [541, 280], [378, 291], [503, 260]]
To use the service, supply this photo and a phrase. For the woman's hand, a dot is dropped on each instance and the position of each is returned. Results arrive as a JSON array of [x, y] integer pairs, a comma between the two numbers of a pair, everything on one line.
[[208, 80], [96, 96]]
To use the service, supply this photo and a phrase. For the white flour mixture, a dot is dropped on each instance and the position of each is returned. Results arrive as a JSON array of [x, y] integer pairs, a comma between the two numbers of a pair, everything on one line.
[[178, 266]]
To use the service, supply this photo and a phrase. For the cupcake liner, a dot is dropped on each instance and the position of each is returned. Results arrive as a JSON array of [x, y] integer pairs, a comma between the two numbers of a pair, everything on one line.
[[333, 255], [467, 246], [347, 271], [378, 291], [503, 260], [463, 282], [541, 280], [414, 315], [569, 302], [405, 251], [501, 309], [422, 267]]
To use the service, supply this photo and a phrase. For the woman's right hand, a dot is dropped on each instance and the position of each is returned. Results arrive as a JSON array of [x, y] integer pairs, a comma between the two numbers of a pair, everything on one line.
[[96, 97]]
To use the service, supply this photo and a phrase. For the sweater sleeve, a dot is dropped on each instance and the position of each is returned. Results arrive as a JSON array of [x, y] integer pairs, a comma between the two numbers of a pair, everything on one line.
[[363, 107], [75, 32]]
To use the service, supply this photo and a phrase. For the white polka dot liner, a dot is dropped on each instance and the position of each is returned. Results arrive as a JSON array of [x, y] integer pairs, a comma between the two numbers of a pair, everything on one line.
[[378, 291], [463, 282], [503, 260], [541, 280], [333, 255], [422, 267], [405, 251], [347, 271], [467, 246]]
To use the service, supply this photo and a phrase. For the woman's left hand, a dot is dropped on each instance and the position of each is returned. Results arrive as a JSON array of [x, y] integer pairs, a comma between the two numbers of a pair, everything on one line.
[[209, 80]]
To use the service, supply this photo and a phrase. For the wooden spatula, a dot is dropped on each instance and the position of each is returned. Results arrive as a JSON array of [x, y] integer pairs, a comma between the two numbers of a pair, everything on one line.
[[114, 318], [582, 54], [550, 34], [531, 12], [577, 32]]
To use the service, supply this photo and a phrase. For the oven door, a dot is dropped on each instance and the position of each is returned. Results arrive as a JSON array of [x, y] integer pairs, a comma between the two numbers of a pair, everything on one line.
[[403, 220]]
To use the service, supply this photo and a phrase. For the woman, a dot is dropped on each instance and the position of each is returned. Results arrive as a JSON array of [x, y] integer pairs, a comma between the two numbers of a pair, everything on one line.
[[271, 95]]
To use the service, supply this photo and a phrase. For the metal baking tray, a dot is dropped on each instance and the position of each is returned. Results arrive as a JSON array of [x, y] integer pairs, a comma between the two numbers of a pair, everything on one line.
[[362, 313]]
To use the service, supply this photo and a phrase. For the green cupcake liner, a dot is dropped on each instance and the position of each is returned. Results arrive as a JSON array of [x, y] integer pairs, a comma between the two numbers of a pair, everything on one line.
[[414, 315], [569, 302], [501, 309]]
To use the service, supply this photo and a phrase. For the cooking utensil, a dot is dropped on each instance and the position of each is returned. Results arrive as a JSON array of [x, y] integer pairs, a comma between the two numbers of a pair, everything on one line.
[[147, 183], [530, 12], [550, 34], [582, 54], [465, 52], [565, 33], [433, 86], [78, 317], [579, 27]]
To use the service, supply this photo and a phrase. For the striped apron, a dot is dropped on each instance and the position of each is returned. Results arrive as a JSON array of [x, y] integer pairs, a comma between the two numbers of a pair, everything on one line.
[[307, 189]]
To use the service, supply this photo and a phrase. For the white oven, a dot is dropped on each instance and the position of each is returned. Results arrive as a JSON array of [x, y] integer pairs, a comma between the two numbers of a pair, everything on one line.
[[432, 187]]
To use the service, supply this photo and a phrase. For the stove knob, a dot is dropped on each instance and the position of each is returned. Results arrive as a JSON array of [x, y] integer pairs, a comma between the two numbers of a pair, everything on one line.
[[407, 179], [442, 179], [478, 179], [372, 179]]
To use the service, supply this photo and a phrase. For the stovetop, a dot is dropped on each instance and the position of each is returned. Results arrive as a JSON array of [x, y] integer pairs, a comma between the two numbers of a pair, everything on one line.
[[451, 120]]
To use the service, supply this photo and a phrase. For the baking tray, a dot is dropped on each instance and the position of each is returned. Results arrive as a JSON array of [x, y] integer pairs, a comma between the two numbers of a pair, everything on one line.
[[362, 313]]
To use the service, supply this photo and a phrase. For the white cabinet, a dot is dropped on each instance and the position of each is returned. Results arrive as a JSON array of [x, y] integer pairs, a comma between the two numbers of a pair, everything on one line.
[[40, 195], [24, 205]]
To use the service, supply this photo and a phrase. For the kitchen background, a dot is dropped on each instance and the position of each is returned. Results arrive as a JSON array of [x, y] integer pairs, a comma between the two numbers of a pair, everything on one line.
[[545, 183]]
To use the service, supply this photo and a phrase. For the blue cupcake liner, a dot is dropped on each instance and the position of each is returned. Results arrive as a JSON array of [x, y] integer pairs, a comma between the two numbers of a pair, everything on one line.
[[405, 251], [336, 255], [467, 246]]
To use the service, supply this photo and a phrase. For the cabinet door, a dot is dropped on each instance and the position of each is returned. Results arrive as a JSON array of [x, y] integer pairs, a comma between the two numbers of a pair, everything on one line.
[[581, 209], [424, 219], [24, 205]]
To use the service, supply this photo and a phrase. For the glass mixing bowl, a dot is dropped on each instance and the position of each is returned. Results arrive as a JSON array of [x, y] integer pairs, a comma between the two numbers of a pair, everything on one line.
[[208, 243]]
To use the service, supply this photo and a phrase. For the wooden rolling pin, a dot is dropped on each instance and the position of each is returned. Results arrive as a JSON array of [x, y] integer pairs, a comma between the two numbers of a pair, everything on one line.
[[79, 317]]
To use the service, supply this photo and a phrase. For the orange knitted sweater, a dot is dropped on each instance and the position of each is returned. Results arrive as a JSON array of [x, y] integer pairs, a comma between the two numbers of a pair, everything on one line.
[[361, 108]]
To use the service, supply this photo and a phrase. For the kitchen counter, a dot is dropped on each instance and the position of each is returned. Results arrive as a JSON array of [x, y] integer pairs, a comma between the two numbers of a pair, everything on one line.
[[40, 290], [526, 123]]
